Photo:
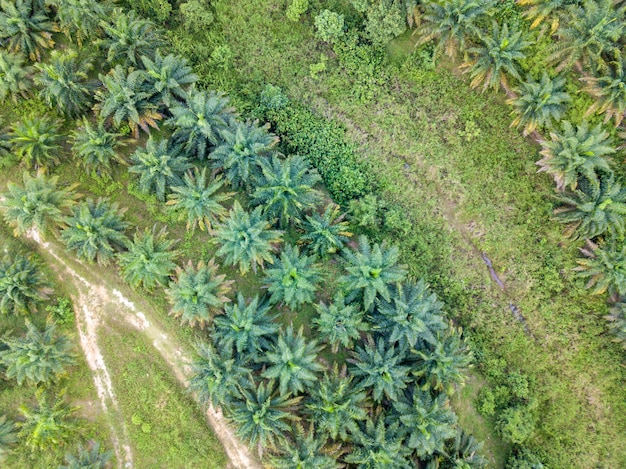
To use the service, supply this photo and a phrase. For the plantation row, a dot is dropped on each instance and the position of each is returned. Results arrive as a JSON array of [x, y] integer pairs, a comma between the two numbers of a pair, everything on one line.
[[387, 403]]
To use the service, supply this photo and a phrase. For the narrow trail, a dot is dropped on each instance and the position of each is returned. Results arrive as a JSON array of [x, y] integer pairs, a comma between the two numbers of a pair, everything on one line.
[[93, 297]]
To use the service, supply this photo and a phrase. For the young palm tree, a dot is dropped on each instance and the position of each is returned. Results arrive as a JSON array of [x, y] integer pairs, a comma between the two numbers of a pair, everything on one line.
[[573, 153], [412, 316], [24, 28], [378, 366], [443, 365], [49, 424], [197, 122], [306, 449], [371, 271], [218, 374], [609, 90], [293, 361], [594, 210], [39, 357], [64, 83], [22, 284], [285, 189], [129, 37], [36, 141], [160, 165], [604, 267], [248, 329], [14, 77], [149, 260], [198, 292], [293, 278], [261, 414], [379, 445], [96, 231], [80, 20], [39, 203], [497, 55], [94, 146], [127, 98], [198, 201], [239, 156], [340, 324], [540, 103], [246, 239], [7, 436], [326, 233], [451, 23], [591, 32], [336, 405], [89, 457], [169, 76], [426, 421]]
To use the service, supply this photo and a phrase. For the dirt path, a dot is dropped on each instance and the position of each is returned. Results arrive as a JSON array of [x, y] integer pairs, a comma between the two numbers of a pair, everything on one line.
[[92, 298]]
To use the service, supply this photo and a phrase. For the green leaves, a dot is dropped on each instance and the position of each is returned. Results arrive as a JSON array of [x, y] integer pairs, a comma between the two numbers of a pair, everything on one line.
[[22, 284], [95, 147], [604, 267], [36, 141], [25, 28]]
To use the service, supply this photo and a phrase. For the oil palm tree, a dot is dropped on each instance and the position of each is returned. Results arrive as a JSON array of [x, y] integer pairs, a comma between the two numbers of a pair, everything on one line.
[[497, 55], [378, 445], [246, 239], [218, 374], [262, 414], [197, 122], [593, 211], [96, 230], [539, 104], [576, 152], [412, 316], [88, 457], [336, 405], [149, 260], [293, 278], [426, 421], [94, 146], [128, 37], [285, 189], [198, 201], [36, 141], [293, 361], [242, 148], [22, 284], [41, 356], [379, 367], [442, 365], [246, 327], [64, 83], [541, 11], [340, 323], [15, 78], [326, 233], [370, 272], [8, 436], [170, 76], [80, 20], [609, 90], [604, 267], [24, 28], [48, 425], [451, 23], [127, 98], [160, 165], [617, 322], [198, 292], [464, 451], [38, 203], [305, 449], [592, 31]]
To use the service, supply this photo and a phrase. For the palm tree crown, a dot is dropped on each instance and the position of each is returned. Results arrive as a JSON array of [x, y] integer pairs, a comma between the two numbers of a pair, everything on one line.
[[25, 28], [22, 284], [609, 90], [604, 267], [8, 436], [246, 239], [14, 76], [198, 292], [90, 457], [305, 450], [169, 76], [379, 445], [326, 233], [340, 324], [95, 146], [96, 230], [36, 141], [80, 19]]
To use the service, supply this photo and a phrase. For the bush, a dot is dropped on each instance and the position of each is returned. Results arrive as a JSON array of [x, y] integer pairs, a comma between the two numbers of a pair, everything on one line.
[[272, 98], [330, 26], [486, 403], [62, 311], [296, 9], [196, 15], [523, 458], [516, 424], [158, 10]]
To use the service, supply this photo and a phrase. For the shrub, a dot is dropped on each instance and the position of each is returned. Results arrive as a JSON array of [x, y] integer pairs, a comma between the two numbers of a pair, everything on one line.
[[296, 9], [330, 26], [516, 424], [62, 311], [158, 10], [196, 16]]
